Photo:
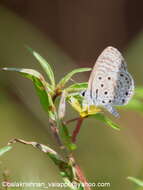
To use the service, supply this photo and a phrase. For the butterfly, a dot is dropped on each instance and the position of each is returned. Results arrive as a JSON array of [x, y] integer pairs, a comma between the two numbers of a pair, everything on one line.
[[110, 84]]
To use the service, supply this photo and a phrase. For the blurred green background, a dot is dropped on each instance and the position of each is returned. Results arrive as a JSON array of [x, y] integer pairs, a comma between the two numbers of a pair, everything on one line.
[[69, 34]]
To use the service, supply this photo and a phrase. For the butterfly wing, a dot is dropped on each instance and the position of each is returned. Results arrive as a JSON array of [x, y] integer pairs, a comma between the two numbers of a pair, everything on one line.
[[124, 89], [110, 83], [110, 59]]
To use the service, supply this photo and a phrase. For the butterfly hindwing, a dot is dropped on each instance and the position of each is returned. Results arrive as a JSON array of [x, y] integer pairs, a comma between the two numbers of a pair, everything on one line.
[[124, 89]]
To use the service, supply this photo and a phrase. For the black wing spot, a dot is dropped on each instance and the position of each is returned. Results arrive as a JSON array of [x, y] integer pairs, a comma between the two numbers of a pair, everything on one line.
[[102, 85], [121, 75], [127, 93], [123, 100], [110, 101], [83, 93], [105, 92], [99, 78], [109, 78], [103, 102]]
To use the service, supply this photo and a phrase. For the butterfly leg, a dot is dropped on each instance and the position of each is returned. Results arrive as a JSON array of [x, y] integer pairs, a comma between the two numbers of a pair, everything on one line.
[[86, 105], [112, 110]]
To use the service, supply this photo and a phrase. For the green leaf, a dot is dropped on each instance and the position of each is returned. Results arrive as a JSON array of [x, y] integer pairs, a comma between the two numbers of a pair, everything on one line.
[[139, 92], [65, 79], [41, 88], [63, 165], [45, 99], [45, 65], [77, 87], [57, 159], [136, 181], [66, 137], [80, 187], [106, 121], [4, 150], [134, 104], [77, 186]]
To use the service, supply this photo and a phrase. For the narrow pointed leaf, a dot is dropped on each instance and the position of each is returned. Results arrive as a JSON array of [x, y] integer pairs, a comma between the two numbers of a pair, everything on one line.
[[134, 104], [45, 65], [139, 92], [136, 181], [41, 88], [65, 79], [69, 184], [106, 121], [4, 150], [77, 87], [72, 186], [62, 105], [57, 159], [66, 137], [64, 166]]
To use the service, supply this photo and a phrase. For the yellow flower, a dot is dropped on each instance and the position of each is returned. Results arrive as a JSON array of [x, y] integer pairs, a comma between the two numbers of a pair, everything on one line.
[[83, 112]]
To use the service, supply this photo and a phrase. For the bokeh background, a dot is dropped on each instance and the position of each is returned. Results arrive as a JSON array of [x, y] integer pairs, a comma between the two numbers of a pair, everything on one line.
[[69, 34]]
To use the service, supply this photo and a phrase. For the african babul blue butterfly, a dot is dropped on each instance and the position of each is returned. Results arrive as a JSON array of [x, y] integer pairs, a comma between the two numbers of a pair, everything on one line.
[[110, 84]]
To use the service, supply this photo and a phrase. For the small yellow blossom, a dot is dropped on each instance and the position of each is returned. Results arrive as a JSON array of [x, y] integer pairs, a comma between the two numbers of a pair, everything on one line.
[[83, 112]]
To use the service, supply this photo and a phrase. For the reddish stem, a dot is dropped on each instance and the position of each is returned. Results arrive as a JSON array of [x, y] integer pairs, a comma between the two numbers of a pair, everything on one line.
[[77, 129], [71, 120], [82, 177], [80, 174]]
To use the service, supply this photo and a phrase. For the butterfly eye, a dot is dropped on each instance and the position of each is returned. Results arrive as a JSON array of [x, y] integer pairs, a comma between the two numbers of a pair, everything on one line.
[[83, 93]]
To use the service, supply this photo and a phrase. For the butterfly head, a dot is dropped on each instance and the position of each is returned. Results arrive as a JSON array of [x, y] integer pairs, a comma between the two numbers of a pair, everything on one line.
[[83, 93]]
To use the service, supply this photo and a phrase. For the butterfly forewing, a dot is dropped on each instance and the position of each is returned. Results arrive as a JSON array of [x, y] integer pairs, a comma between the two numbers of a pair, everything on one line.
[[109, 60]]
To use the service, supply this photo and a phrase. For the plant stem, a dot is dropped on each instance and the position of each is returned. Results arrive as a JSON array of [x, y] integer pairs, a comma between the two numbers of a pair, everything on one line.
[[55, 132], [77, 129], [57, 93], [79, 173], [71, 120]]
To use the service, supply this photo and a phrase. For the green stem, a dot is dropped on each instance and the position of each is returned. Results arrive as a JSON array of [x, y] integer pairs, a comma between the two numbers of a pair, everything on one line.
[[55, 132]]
